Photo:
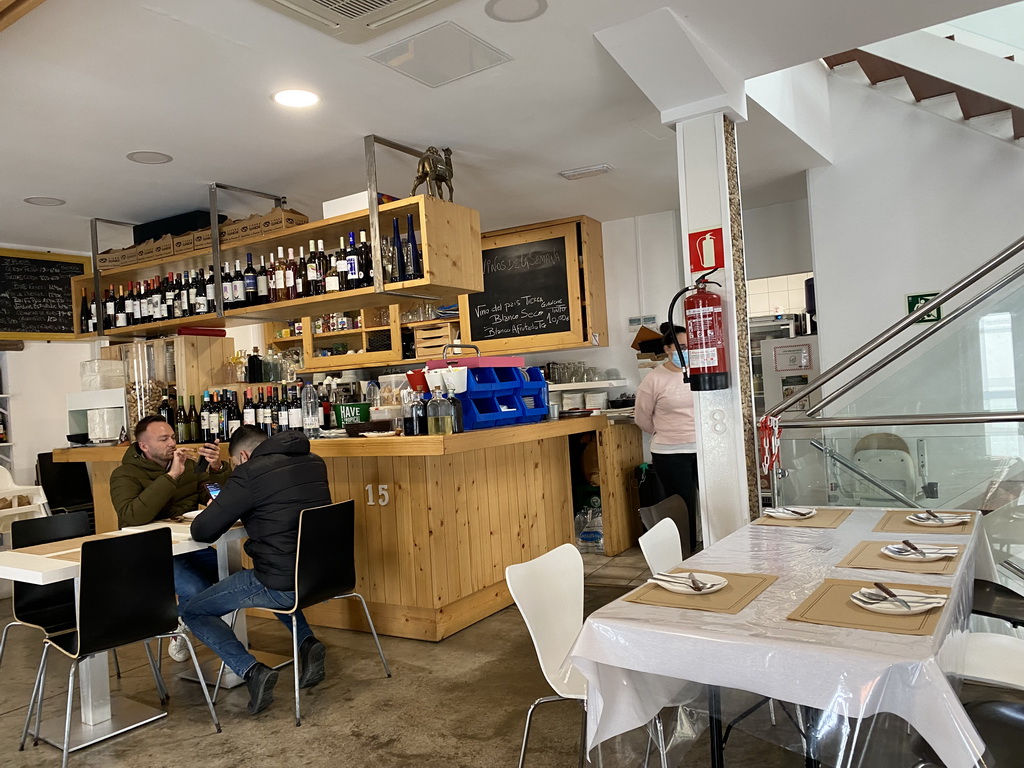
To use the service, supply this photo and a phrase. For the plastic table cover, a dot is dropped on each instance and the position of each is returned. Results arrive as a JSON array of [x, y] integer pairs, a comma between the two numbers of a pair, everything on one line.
[[640, 659]]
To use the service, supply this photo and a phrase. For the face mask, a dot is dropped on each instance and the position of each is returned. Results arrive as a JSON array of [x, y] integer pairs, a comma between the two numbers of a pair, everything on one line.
[[685, 362]]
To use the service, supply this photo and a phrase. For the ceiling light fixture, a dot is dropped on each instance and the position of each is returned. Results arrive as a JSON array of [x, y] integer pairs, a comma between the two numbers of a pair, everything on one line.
[[294, 97], [515, 11], [581, 173], [47, 201], [149, 157]]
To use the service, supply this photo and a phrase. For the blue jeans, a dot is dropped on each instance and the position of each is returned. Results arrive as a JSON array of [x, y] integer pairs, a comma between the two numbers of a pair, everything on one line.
[[193, 572], [239, 590]]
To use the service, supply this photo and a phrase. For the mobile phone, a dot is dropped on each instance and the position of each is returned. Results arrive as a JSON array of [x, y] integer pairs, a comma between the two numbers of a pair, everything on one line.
[[214, 489]]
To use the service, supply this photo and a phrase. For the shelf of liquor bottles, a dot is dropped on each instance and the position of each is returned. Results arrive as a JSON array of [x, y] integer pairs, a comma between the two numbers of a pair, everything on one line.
[[430, 248]]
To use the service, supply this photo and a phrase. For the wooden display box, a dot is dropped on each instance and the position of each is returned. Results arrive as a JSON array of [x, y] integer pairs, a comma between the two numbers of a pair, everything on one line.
[[432, 339]]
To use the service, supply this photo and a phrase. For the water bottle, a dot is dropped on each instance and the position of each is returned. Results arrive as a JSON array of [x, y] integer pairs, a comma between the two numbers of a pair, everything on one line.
[[310, 412]]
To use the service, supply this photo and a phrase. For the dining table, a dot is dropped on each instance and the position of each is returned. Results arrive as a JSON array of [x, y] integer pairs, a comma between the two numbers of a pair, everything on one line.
[[639, 659], [101, 716]]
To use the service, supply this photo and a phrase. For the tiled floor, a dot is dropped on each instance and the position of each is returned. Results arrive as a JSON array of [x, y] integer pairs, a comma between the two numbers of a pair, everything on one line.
[[628, 569]]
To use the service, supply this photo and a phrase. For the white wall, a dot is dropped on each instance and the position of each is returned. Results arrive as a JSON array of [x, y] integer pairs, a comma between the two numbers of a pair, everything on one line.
[[643, 270], [912, 203], [777, 240], [39, 378]]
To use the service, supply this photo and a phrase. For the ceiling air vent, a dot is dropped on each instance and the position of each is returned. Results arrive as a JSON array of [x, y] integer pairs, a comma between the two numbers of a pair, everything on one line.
[[354, 21]]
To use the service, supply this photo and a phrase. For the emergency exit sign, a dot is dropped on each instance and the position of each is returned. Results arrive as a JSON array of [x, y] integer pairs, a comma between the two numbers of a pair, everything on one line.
[[917, 300]]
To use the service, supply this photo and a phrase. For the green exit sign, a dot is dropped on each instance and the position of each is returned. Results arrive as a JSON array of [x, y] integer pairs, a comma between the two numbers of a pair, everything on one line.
[[917, 300]]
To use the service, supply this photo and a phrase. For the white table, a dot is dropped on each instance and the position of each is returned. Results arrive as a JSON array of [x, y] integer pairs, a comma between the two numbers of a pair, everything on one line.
[[639, 659], [100, 716]]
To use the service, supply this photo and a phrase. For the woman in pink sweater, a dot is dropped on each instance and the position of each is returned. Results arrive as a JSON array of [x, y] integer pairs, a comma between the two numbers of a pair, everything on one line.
[[664, 409]]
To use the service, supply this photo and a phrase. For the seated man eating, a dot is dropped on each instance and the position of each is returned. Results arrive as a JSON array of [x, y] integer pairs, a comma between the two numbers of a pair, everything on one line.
[[273, 481]]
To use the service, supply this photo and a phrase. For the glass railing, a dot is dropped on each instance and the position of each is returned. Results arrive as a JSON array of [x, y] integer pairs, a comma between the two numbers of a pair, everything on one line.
[[999, 31]]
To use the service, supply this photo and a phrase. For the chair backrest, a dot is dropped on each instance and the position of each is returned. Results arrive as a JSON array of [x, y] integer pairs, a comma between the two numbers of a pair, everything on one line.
[[6, 480], [31, 598], [549, 593], [66, 484], [325, 560], [661, 546], [126, 590], [672, 508]]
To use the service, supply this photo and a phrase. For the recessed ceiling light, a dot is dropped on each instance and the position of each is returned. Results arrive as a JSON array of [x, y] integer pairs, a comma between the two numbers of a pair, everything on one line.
[[149, 157], [44, 201], [294, 97], [581, 173], [514, 11]]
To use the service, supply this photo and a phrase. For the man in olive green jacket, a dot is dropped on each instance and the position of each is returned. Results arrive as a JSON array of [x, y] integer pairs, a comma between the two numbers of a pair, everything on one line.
[[157, 479]]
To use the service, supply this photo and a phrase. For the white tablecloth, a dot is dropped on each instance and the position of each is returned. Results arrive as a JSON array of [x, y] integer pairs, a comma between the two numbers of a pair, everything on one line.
[[639, 659]]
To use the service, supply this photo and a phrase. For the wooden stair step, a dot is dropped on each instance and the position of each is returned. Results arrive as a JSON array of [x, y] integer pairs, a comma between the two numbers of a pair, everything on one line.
[[925, 86], [1018, 122], [877, 69], [974, 104], [839, 59]]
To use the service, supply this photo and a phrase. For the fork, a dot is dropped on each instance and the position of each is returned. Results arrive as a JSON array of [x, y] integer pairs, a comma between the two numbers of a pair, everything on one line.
[[690, 580], [877, 597]]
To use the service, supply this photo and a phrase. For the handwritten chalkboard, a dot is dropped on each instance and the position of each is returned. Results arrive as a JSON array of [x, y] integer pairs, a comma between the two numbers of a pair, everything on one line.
[[526, 292], [35, 294]]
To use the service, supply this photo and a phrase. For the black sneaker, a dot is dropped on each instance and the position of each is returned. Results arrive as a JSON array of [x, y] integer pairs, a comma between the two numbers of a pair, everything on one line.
[[312, 652], [260, 681]]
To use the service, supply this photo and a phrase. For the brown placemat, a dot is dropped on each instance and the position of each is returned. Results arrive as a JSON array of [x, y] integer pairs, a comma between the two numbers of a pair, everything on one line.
[[830, 605], [895, 521], [868, 554], [732, 598], [824, 518]]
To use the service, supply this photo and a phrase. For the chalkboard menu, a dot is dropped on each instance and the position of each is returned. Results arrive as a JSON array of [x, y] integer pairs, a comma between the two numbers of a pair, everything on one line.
[[526, 291], [35, 294]]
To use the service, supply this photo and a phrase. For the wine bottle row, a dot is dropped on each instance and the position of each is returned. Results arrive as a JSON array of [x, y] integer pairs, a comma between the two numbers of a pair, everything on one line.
[[287, 276], [275, 410]]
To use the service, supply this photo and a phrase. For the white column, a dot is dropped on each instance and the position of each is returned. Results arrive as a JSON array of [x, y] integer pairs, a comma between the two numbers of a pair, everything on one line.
[[704, 203]]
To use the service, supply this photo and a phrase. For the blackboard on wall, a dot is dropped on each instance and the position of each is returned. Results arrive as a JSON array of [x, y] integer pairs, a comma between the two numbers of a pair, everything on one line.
[[527, 291], [35, 293]]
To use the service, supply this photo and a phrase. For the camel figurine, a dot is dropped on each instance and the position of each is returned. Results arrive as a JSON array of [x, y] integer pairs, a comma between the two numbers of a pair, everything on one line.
[[436, 170]]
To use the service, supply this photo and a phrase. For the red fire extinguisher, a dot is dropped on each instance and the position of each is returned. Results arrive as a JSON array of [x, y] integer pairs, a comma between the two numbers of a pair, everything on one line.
[[702, 312]]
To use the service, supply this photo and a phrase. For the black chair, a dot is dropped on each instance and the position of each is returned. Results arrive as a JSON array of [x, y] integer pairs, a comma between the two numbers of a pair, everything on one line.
[[1000, 725], [324, 570], [998, 602], [125, 595], [47, 607], [66, 484]]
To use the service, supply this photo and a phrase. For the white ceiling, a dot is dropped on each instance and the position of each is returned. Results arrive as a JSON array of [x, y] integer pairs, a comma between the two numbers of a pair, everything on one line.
[[83, 84]]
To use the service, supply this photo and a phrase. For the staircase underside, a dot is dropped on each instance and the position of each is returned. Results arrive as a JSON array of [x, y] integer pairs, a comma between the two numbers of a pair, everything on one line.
[[924, 86]]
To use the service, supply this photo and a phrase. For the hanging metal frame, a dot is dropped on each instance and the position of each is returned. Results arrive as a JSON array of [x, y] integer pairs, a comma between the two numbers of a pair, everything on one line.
[[95, 244]]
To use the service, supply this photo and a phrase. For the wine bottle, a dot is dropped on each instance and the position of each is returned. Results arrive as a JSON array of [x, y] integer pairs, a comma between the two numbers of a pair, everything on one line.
[[289, 276], [280, 272], [283, 422], [366, 258], [313, 283], [84, 314], [272, 416], [109, 308], [199, 286], [120, 315], [211, 291], [414, 259], [258, 409], [262, 283], [400, 267], [332, 283], [164, 409], [294, 409], [204, 417], [225, 286], [93, 314], [300, 275], [181, 424], [321, 266], [225, 415], [352, 260], [129, 306], [249, 290], [238, 286], [169, 296], [214, 418], [194, 423], [182, 284]]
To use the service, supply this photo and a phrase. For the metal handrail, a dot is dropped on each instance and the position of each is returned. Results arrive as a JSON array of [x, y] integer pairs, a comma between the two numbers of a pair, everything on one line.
[[844, 462], [894, 330], [913, 419]]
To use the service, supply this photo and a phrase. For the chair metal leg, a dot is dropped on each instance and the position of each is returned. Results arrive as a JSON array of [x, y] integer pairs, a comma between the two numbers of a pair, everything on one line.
[[295, 668], [32, 701], [583, 735], [66, 749], [373, 630], [117, 664], [220, 672], [771, 711], [39, 699], [3, 639], [161, 689], [662, 750], [529, 720], [202, 682]]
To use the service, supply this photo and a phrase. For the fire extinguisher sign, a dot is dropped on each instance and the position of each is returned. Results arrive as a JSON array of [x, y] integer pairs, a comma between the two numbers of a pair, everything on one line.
[[707, 250]]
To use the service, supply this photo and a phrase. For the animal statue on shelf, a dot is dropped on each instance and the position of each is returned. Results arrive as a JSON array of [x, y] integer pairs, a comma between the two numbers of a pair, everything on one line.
[[436, 170]]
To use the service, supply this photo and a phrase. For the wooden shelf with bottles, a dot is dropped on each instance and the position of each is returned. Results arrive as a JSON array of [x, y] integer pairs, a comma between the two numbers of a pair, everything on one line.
[[375, 342]]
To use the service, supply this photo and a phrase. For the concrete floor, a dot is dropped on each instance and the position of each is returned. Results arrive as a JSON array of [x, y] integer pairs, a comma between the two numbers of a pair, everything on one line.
[[460, 703]]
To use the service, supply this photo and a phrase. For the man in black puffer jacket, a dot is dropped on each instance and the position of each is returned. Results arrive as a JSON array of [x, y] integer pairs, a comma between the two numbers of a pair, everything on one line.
[[274, 479]]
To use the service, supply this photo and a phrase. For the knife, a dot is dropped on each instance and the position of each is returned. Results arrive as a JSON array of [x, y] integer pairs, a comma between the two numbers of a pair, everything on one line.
[[915, 550], [797, 512], [892, 595], [695, 585]]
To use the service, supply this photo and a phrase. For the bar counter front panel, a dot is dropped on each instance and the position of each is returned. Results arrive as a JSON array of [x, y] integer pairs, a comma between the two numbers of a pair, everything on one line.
[[438, 518]]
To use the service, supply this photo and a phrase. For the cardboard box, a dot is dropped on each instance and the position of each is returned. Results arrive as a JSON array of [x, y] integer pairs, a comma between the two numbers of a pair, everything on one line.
[[201, 240], [230, 230], [184, 243], [146, 251], [163, 247], [360, 201], [108, 259], [129, 256], [280, 219], [643, 337], [250, 227]]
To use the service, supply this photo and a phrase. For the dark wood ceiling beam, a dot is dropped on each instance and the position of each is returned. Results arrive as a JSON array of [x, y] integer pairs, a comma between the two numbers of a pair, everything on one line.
[[12, 10]]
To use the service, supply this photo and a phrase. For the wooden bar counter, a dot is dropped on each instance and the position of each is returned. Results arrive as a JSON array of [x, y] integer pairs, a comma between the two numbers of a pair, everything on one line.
[[438, 518]]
